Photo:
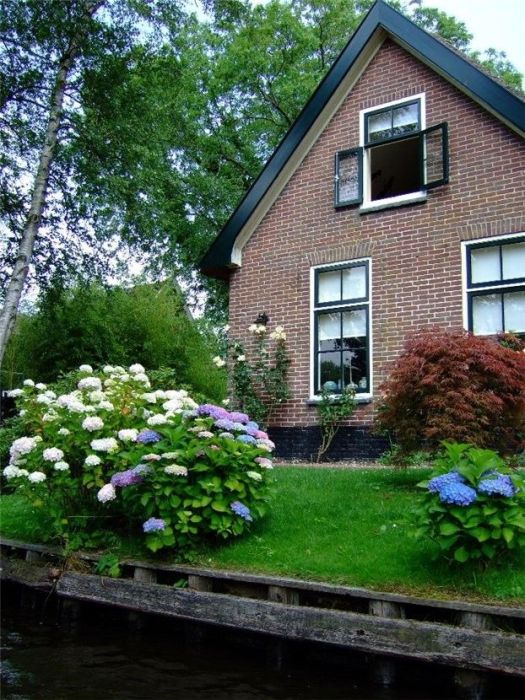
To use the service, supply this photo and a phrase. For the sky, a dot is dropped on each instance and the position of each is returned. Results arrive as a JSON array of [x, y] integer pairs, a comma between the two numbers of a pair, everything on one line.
[[498, 24]]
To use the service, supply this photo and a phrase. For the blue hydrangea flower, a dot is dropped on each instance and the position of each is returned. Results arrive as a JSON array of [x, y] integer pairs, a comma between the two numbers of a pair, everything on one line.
[[436, 484], [148, 436], [154, 525], [252, 425], [127, 478], [248, 439], [457, 494], [241, 510], [238, 427], [502, 485], [142, 469]]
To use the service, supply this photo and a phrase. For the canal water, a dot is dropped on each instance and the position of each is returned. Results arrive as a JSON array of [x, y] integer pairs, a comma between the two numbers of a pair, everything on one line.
[[59, 650]]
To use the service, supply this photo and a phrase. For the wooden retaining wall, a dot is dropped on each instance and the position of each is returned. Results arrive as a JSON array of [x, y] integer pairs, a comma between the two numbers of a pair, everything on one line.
[[463, 635]]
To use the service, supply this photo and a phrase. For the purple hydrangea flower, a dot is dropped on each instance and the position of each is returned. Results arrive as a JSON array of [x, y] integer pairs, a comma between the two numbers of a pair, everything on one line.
[[127, 478], [142, 469], [248, 439], [436, 484], [261, 435], [241, 510], [251, 431], [238, 417], [154, 525], [457, 494], [148, 436], [215, 412], [502, 485], [224, 424]]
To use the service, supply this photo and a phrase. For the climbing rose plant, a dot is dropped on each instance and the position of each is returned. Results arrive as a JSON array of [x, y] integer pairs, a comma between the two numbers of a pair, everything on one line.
[[474, 506], [114, 455]]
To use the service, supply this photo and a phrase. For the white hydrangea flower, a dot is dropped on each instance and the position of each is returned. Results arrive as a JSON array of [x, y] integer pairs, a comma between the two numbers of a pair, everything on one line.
[[109, 382], [218, 361], [151, 457], [254, 475], [71, 402], [106, 405], [37, 477], [174, 394], [92, 461], [105, 445], [15, 393], [23, 472], [92, 423], [38, 438], [11, 472], [160, 394], [90, 384], [157, 419], [108, 369], [118, 370], [128, 435], [28, 382], [149, 397], [86, 368], [107, 493], [146, 413], [42, 398], [137, 369], [49, 393], [172, 405], [176, 470], [97, 396], [170, 455], [50, 416], [41, 386], [61, 466], [64, 431], [22, 446], [143, 379], [53, 454], [90, 409]]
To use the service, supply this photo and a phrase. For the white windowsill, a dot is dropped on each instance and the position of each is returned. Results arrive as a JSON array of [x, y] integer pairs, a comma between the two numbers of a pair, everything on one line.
[[392, 202], [359, 398]]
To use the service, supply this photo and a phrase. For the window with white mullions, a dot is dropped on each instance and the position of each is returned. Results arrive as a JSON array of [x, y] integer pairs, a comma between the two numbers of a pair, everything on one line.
[[496, 286], [341, 333]]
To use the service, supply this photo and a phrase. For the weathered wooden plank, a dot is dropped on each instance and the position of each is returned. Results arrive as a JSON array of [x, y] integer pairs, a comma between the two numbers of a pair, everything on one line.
[[434, 642], [28, 574]]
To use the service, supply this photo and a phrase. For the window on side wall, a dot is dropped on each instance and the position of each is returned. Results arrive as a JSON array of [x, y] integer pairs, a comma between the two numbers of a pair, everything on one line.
[[398, 158], [342, 327], [496, 286]]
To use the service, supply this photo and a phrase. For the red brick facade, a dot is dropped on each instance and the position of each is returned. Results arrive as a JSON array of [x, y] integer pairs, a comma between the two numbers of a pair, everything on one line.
[[415, 250]]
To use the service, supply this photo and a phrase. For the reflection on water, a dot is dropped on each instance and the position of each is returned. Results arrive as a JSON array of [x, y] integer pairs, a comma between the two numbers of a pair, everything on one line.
[[62, 652]]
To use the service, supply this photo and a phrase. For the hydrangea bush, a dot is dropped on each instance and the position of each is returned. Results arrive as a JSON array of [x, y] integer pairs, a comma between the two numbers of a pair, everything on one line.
[[114, 453], [474, 507]]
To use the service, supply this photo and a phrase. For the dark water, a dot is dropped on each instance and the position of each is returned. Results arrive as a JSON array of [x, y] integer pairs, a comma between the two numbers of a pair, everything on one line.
[[58, 651]]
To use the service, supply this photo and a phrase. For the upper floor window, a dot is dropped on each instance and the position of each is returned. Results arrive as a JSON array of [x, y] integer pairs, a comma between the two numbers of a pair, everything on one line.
[[397, 160], [496, 286]]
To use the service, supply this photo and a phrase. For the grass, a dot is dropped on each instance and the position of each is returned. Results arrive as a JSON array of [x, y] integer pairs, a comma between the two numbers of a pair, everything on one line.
[[342, 526]]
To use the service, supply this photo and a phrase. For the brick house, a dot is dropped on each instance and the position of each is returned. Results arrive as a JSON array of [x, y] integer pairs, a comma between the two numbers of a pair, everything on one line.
[[423, 223]]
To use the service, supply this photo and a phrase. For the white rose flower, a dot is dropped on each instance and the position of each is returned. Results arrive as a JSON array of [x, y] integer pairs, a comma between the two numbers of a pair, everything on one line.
[[86, 368], [226, 328], [218, 361], [61, 466], [252, 328], [128, 435], [53, 454], [136, 369], [28, 382], [105, 445], [107, 493], [15, 393], [241, 358], [37, 477], [157, 419], [92, 423], [11, 472], [64, 431], [92, 461], [176, 470], [90, 383]]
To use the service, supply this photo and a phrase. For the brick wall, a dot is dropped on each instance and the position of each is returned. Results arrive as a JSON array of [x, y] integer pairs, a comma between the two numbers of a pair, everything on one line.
[[415, 250]]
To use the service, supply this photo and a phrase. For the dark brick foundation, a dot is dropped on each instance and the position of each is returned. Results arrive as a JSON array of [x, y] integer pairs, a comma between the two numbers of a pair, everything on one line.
[[349, 443]]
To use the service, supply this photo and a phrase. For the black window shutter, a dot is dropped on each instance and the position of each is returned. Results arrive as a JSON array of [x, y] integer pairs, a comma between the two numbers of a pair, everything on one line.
[[348, 177], [433, 156]]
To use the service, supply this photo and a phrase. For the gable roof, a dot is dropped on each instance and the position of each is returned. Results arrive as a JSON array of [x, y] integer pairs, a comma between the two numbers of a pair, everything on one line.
[[381, 21]]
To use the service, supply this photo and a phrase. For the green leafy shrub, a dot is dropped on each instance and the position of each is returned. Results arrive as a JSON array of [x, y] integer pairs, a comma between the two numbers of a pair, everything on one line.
[[450, 385], [333, 410], [474, 506], [114, 455]]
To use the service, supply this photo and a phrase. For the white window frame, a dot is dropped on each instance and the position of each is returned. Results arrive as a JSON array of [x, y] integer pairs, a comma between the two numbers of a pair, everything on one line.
[[362, 396], [368, 203], [465, 245]]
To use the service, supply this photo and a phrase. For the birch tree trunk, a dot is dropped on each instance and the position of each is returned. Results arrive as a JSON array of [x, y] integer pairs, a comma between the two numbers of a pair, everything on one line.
[[16, 284]]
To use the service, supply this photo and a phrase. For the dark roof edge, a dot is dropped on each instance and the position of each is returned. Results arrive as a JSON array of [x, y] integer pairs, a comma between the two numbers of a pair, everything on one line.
[[444, 60]]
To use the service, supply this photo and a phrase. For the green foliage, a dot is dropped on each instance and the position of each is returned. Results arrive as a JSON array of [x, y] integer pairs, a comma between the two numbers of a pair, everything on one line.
[[83, 461], [450, 385], [396, 457], [92, 323], [259, 379], [333, 410], [11, 429], [474, 507], [109, 565]]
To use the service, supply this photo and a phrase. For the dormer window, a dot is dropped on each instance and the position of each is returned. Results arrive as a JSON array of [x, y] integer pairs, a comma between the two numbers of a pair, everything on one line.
[[398, 161]]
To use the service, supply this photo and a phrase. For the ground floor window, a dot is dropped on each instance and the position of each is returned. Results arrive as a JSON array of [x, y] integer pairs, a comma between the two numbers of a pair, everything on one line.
[[496, 286], [341, 318]]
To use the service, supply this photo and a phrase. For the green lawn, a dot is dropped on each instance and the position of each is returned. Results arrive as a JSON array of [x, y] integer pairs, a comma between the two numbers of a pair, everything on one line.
[[342, 526]]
